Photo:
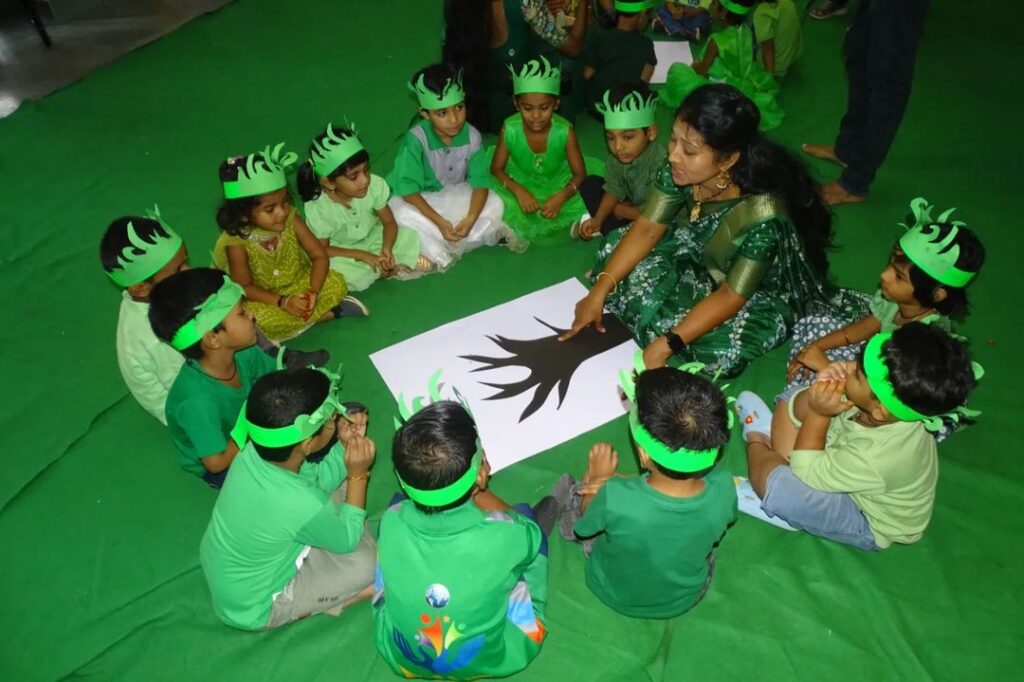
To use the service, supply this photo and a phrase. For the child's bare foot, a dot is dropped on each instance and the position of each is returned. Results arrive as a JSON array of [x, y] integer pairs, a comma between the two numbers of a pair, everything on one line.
[[833, 194], [822, 151]]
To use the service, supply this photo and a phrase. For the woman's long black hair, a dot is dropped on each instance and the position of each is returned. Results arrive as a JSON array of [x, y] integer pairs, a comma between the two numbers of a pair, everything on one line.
[[467, 41], [728, 121]]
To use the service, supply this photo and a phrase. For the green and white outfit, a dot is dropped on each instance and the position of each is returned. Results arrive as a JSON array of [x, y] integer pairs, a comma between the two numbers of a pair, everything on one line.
[[357, 226], [445, 175], [750, 243], [459, 594], [148, 365], [279, 546]]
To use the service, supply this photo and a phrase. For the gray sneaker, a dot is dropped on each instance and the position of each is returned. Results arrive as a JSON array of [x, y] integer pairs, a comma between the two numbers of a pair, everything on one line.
[[350, 306]]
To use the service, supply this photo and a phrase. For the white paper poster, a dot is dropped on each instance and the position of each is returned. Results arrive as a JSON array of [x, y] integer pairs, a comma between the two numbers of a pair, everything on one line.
[[669, 52], [528, 392]]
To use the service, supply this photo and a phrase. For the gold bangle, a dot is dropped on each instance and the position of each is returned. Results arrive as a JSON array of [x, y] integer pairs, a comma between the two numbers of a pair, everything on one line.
[[359, 477], [615, 284]]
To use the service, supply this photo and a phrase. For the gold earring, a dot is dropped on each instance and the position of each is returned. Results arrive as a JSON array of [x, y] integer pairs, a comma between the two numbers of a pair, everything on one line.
[[724, 180]]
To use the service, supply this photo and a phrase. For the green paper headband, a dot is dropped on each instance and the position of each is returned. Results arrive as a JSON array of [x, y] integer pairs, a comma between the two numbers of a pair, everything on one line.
[[304, 426], [936, 257], [683, 459], [451, 94], [877, 373], [633, 6], [134, 267], [209, 314], [735, 7], [438, 497], [634, 111], [262, 173], [327, 155], [537, 75]]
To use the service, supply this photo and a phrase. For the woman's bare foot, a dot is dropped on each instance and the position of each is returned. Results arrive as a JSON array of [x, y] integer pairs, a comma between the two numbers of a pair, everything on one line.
[[833, 194], [822, 151]]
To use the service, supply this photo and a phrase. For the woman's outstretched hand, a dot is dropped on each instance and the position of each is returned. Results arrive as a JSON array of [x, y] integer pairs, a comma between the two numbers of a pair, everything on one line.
[[589, 311]]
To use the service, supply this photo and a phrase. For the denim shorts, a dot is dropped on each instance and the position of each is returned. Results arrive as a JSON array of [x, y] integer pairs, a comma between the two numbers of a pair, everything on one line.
[[834, 516]]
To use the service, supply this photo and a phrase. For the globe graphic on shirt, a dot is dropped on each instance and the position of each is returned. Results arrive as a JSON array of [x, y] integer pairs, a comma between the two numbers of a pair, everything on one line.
[[438, 596]]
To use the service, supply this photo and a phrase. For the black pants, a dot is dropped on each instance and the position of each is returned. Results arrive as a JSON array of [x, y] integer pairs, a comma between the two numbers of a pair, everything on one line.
[[880, 49], [592, 191]]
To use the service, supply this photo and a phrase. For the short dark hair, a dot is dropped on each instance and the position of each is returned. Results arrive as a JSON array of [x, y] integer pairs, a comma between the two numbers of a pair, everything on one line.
[[681, 409], [619, 92], [970, 259], [115, 239], [276, 399], [930, 370], [435, 76], [435, 448], [173, 302]]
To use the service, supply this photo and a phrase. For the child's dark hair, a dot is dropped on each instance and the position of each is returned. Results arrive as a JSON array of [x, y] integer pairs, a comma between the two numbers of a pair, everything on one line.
[[115, 239], [682, 410], [233, 214], [930, 370], [436, 76], [435, 448], [728, 121], [621, 91], [173, 302], [733, 19], [276, 399], [305, 177], [971, 258]]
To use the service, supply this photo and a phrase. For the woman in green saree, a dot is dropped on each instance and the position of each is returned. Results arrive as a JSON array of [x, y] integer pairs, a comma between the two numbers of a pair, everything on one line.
[[729, 250]]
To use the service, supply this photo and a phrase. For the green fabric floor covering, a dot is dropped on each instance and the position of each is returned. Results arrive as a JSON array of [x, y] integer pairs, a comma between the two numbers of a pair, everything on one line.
[[100, 529]]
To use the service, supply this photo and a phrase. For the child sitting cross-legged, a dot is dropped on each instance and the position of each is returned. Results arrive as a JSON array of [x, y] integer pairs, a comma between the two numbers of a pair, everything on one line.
[[287, 537], [480, 565], [200, 313], [665, 524], [634, 158], [851, 458]]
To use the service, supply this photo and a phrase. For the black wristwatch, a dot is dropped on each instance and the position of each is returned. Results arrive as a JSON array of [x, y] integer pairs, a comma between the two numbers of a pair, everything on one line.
[[675, 342]]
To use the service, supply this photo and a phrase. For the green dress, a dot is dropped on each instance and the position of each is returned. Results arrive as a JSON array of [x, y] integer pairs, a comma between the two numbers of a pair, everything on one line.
[[281, 267], [543, 174], [751, 244], [735, 65]]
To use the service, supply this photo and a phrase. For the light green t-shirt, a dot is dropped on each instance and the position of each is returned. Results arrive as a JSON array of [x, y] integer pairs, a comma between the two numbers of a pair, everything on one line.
[[889, 471], [148, 365], [651, 557], [885, 311], [354, 226], [779, 21], [460, 593], [264, 519], [201, 411]]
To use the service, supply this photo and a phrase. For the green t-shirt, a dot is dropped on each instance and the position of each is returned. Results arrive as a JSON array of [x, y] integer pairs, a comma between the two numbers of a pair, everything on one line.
[[650, 556], [889, 471], [616, 57], [460, 593], [353, 226], [885, 311], [264, 519], [424, 163], [778, 21], [201, 411], [631, 181]]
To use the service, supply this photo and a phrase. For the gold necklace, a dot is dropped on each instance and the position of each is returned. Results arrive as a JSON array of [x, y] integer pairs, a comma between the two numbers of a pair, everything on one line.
[[695, 211]]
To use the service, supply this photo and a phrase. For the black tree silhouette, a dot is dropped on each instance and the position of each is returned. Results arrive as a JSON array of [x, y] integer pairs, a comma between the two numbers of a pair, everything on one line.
[[551, 362]]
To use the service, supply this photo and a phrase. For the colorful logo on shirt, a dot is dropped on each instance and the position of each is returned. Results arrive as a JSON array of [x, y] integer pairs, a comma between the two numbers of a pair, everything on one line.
[[441, 648]]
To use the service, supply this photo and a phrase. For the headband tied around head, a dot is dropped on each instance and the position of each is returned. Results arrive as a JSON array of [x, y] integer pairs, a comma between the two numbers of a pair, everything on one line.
[[922, 245], [133, 266], [336, 147], [536, 76], [438, 497], [209, 314], [877, 373], [683, 459], [633, 111], [451, 93], [260, 173], [633, 6], [735, 7]]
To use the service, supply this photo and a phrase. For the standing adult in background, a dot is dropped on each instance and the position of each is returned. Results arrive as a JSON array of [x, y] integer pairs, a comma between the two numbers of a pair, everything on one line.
[[880, 50], [484, 37]]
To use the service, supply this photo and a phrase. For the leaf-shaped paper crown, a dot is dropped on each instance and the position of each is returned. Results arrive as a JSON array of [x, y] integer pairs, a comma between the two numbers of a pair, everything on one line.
[[451, 94], [328, 153], [935, 255], [537, 75], [633, 111], [143, 258], [260, 173]]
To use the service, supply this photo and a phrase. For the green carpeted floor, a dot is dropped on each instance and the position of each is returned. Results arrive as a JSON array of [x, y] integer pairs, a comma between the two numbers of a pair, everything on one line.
[[100, 529]]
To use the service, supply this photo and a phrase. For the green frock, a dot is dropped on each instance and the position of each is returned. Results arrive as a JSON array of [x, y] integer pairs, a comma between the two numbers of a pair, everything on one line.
[[735, 65], [748, 242]]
